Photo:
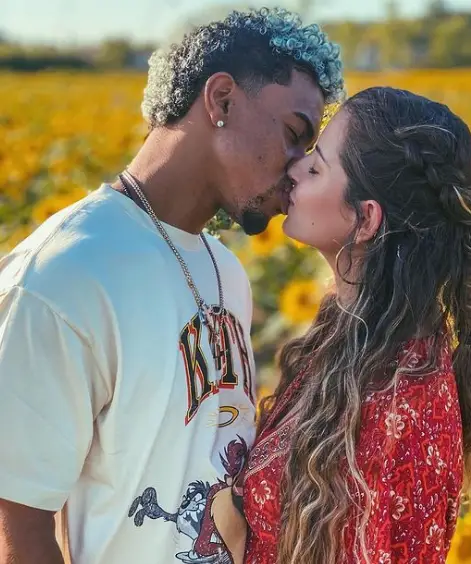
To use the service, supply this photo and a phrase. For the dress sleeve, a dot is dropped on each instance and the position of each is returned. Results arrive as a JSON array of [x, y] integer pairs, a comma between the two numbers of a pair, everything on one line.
[[416, 478]]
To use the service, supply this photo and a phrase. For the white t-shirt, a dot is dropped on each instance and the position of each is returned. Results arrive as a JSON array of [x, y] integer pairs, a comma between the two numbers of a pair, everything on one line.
[[109, 397]]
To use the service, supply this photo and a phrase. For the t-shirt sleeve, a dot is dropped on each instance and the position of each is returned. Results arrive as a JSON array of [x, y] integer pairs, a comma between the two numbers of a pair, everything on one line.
[[50, 392]]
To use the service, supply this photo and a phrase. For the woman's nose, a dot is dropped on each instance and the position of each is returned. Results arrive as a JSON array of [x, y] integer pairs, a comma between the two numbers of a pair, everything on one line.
[[293, 170]]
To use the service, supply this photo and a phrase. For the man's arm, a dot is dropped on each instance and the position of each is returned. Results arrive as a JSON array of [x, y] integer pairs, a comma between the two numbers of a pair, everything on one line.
[[27, 535], [50, 393]]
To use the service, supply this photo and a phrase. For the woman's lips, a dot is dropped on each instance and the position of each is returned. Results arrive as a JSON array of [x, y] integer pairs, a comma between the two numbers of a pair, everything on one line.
[[286, 200]]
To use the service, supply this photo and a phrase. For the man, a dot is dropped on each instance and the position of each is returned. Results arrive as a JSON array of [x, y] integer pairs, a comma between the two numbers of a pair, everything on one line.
[[126, 375]]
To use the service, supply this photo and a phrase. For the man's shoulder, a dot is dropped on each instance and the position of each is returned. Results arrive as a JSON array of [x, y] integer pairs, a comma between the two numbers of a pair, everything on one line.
[[76, 254]]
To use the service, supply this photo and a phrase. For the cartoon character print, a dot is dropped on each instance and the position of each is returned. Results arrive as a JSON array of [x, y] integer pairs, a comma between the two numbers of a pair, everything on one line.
[[206, 515]]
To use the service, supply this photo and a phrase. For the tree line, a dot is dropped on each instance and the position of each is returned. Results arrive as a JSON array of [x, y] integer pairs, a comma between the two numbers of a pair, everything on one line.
[[439, 39]]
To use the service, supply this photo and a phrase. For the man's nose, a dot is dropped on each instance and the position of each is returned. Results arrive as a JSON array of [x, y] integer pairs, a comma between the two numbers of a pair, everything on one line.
[[295, 154]]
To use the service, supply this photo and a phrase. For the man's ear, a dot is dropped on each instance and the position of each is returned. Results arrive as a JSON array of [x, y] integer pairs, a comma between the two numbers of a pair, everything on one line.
[[219, 93]]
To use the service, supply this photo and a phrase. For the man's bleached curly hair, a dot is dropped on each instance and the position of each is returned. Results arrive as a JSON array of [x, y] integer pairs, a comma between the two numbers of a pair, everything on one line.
[[257, 48]]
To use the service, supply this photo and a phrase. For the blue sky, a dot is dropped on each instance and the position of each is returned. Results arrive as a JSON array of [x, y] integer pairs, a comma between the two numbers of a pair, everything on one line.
[[84, 21]]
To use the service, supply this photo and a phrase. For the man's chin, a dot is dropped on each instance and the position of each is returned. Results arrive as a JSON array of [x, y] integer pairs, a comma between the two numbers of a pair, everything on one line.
[[253, 222]]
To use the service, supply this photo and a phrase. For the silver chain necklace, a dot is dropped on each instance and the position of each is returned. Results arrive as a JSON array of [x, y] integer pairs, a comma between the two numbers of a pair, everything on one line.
[[213, 317]]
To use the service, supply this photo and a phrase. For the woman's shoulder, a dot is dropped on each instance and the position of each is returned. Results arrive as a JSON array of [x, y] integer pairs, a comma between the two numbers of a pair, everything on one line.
[[420, 406], [416, 425], [410, 451], [424, 375], [422, 402]]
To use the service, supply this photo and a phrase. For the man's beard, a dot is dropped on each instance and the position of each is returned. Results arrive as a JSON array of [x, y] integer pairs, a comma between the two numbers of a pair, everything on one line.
[[252, 220]]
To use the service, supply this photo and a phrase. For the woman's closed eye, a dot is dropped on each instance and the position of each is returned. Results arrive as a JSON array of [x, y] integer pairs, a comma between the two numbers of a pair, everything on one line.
[[312, 170]]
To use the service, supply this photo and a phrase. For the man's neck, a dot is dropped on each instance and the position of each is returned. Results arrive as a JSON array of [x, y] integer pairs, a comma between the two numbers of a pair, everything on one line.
[[173, 179]]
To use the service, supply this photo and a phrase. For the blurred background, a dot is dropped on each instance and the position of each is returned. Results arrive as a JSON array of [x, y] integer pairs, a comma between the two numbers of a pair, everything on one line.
[[72, 74]]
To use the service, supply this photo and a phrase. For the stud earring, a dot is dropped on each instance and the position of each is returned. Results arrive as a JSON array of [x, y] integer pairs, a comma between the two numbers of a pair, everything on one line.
[[220, 123]]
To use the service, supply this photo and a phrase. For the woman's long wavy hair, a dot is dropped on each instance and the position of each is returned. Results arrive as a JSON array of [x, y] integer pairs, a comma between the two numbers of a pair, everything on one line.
[[413, 156]]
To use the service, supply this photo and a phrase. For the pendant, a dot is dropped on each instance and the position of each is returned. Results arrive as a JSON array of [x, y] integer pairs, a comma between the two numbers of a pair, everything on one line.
[[204, 315], [215, 321], [217, 350]]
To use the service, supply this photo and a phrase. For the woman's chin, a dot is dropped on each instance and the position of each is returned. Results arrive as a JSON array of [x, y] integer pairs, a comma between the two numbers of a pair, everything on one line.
[[286, 226], [289, 229]]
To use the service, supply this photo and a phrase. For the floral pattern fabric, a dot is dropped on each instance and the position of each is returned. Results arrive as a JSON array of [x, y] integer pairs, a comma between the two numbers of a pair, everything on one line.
[[411, 455]]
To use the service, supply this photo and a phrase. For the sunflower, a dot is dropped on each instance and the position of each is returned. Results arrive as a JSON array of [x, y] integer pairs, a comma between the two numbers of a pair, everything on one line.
[[300, 299], [297, 244], [460, 552], [244, 254], [16, 237], [273, 237], [50, 205]]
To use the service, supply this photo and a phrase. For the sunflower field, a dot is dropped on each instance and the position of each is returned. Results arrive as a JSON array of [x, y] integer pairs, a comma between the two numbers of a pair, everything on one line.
[[63, 134]]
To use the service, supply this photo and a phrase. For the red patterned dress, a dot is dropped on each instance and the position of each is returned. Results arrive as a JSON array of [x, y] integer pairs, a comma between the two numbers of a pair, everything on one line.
[[415, 484]]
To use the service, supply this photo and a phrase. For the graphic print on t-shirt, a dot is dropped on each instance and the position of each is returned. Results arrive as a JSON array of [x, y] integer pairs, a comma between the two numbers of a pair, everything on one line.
[[199, 387], [204, 514]]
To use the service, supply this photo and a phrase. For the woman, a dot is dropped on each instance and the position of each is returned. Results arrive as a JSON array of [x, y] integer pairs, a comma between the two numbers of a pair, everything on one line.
[[359, 456]]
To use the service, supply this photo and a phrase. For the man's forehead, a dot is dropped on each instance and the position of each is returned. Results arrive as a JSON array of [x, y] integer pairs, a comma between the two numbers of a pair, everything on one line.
[[306, 94], [302, 95]]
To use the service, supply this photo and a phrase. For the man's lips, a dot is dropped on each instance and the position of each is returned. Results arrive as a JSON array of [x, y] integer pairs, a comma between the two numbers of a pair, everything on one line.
[[286, 200]]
